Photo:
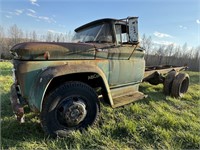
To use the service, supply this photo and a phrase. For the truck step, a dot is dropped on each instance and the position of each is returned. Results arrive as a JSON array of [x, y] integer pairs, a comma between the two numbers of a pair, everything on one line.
[[129, 98]]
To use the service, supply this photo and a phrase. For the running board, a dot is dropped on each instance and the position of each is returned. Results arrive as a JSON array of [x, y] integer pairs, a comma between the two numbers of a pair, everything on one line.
[[127, 99]]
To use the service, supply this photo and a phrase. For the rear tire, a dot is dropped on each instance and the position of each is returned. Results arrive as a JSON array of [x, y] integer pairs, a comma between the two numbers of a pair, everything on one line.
[[167, 86], [72, 106], [180, 85]]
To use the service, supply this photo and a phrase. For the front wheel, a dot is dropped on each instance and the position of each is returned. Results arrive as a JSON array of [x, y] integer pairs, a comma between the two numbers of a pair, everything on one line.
[[72, 106]]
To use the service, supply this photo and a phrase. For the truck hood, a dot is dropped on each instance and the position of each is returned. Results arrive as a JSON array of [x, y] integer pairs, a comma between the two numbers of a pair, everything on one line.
[[53, 51]]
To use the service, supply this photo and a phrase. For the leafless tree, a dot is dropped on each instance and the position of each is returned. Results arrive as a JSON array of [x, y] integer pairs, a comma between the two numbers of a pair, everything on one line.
[[49, 37], [168, 52], [33, 36], [16, 35], [2, 40], [147, 44]]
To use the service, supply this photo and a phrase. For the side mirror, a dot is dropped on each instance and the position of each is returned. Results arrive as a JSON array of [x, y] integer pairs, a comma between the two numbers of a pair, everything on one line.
[[133, 29]]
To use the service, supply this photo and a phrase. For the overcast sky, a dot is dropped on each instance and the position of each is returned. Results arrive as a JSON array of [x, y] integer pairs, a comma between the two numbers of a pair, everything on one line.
[[166, 21]]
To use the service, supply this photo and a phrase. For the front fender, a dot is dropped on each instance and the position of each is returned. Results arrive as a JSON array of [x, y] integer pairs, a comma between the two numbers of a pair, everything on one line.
[[39, 88]]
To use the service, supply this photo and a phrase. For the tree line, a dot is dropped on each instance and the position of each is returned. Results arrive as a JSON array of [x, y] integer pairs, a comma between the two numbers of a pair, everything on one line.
[[14, 35], [170, 54]]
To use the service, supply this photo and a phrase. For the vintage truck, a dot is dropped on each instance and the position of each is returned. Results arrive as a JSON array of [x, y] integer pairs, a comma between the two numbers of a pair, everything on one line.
[[64, 82]]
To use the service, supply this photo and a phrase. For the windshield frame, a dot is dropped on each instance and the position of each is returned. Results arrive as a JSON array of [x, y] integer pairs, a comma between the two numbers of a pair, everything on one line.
[[91, 34]]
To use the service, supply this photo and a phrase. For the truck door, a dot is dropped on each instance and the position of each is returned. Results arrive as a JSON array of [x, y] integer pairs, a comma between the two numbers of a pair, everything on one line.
[[126, 61]]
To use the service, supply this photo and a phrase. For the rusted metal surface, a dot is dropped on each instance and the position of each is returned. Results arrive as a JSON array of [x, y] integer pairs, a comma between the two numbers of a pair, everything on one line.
[[54, 51], [157, 74], [69, 68], [38, 63], [16, 105], [34, 77], [128, 98], [118, 64], [162, 69]]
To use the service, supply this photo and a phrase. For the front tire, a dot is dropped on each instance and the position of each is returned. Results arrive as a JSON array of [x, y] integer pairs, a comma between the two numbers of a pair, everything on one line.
[[72, 106]]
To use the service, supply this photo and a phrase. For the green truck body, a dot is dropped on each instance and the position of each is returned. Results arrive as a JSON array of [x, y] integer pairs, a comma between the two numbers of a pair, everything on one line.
[[105, 60]]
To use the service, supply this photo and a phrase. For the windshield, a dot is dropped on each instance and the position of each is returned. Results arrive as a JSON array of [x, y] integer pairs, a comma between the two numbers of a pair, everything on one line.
[[100, 34]]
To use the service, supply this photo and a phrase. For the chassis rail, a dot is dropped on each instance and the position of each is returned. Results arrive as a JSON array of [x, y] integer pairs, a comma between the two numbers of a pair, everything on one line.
[[154, 74]]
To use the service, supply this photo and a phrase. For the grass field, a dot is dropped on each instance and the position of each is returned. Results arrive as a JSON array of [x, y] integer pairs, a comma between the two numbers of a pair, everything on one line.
[[157, 122]]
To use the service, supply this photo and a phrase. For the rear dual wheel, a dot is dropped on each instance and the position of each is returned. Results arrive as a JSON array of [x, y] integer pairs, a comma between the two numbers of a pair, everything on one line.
[[180, 85], [167, 86], [72, 106], [176, 84]]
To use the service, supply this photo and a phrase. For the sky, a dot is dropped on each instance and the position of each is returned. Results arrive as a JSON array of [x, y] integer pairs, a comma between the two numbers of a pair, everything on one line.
[[166, 21]]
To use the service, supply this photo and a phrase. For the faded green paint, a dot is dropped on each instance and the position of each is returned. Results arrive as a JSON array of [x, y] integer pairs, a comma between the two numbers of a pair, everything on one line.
[[35, 76], [37, 64]]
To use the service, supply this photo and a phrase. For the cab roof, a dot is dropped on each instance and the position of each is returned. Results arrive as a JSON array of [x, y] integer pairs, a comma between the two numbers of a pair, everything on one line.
[[100, 21]]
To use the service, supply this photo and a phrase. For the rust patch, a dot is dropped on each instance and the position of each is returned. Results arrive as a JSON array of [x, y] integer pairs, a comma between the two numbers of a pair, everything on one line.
[[16, 106]]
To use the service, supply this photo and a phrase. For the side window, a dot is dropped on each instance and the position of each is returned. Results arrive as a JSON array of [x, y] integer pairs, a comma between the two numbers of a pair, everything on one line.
[[121, 34]]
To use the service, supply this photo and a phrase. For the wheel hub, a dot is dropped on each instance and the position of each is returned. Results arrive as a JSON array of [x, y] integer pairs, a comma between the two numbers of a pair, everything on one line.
[[74, 113]]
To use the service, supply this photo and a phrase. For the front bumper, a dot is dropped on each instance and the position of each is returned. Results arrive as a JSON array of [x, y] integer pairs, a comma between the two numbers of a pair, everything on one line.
[[17, 105]]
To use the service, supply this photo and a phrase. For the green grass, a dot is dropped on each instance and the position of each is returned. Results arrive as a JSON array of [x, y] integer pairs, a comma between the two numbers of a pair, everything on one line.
[[157, 122]]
